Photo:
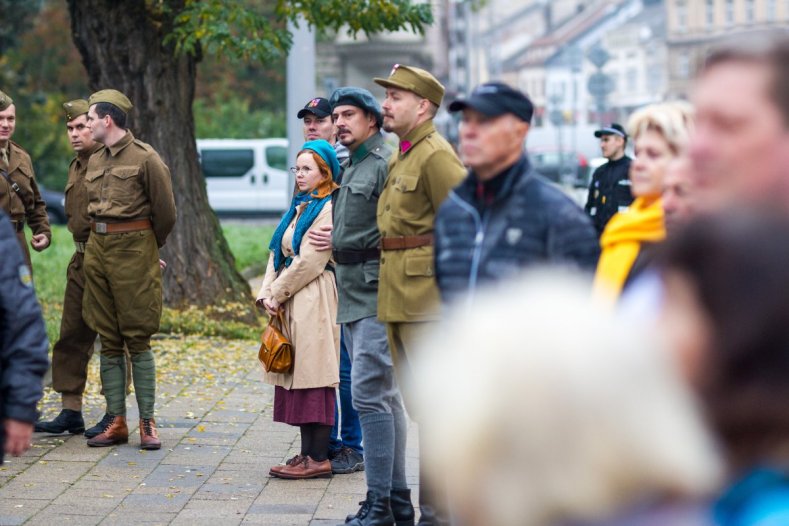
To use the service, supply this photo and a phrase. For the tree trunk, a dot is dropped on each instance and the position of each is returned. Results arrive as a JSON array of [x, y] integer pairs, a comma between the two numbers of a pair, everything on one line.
[[122, 47]]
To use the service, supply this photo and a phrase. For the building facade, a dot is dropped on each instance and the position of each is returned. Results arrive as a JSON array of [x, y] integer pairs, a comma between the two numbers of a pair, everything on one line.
[[696, 25]]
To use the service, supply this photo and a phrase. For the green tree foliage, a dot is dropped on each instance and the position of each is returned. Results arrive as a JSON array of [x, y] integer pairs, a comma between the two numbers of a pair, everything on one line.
[[262, 86], [41, 69], [235, 28], [232, 118], [19, 17]]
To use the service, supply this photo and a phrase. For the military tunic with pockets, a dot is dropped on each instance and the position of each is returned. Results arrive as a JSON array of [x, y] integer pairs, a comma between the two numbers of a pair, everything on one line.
[[27, 204], [126, 182], [420, 178], [72, 351], [355, 228]]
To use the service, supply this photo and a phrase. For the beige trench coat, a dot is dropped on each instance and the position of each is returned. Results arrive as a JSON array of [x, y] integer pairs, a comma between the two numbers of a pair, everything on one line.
[[308, 295]]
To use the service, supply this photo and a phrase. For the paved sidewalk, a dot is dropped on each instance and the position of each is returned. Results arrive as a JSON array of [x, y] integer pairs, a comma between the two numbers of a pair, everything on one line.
[[219, 442]]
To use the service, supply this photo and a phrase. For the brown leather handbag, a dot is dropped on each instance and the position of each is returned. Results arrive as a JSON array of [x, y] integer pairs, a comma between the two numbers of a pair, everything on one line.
[[276, 350]]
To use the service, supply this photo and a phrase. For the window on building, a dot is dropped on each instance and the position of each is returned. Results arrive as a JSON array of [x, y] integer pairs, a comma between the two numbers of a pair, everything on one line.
[[770, 10], [729, 12], [682, 15], [750, 15], [710, 13], [654, 80], [632, 79], [683, 65]]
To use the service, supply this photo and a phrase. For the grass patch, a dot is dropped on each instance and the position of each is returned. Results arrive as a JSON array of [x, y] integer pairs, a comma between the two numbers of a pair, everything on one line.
[[249, 245]]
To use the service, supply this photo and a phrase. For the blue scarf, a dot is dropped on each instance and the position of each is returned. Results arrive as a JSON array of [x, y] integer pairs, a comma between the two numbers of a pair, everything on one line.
[[307, 217]]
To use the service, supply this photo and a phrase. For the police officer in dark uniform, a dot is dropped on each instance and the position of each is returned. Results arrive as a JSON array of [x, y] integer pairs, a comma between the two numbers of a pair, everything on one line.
[[609, 191], [23, 346]]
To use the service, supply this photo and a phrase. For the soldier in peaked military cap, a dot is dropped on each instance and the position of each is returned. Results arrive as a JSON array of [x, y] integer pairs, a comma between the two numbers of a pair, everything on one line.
[[416, 80], [421, 174], [111, 96], [73, 349], [132, 211], [19, 193], [5, 101]]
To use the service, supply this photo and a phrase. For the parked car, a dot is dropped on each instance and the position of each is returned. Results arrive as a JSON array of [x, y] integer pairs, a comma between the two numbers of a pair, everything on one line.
[[566, 168], [246, 175], [56, 205]]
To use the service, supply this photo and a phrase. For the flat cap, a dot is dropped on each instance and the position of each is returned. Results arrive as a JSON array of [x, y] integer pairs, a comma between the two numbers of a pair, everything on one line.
[[494, 99], [416, 80], [112, 96], [75, 108], [359, 97], [5, 101], [318, 106]]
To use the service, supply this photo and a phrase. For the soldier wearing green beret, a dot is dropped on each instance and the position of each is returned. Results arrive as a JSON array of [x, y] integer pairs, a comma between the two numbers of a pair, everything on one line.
[[421, 174], [132, 211], [19, 194]]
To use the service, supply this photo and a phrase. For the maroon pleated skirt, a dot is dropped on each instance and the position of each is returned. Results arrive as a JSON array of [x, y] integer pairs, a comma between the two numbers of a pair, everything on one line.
[[304, 406]]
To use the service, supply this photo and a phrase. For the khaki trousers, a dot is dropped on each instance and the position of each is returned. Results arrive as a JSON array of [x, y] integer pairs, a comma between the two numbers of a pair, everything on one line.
[[74, 348], [123, 304]]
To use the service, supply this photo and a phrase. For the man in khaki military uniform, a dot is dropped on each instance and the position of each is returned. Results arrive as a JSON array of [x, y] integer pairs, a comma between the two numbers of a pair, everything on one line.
[[74, 348], [19, 195], [132, 211], [420, 177]]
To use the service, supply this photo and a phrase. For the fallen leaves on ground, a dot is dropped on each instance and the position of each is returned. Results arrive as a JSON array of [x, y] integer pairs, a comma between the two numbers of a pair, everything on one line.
[[182, 365]]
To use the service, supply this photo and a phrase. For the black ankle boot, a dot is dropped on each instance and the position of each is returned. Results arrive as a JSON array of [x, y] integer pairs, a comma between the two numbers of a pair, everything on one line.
[[68, 420], [375, 511], [402, 509]]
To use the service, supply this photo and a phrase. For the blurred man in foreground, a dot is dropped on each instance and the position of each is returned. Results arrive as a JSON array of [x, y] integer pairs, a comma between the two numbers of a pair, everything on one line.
[[23, 347]]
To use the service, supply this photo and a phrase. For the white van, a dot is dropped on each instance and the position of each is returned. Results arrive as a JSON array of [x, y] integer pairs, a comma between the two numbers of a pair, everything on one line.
[[246, 175]]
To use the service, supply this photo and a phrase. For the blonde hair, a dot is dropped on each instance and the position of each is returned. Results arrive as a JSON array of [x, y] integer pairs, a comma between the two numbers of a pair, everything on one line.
[[673, 120], [539, 407]]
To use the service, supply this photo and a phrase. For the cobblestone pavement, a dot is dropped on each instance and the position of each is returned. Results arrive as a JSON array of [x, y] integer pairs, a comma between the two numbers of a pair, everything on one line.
[[219, 442]]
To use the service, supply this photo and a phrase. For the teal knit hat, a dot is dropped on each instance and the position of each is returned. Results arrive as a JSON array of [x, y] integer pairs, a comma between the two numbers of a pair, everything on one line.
[[327, 153]]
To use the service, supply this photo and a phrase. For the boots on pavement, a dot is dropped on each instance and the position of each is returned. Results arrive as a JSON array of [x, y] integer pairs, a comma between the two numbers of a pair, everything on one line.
[[375, 511], [115, 432], [68, 420], [149, 437]]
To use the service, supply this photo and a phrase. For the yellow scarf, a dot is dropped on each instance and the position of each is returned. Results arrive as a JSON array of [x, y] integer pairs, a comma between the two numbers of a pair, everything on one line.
[[621, 242]]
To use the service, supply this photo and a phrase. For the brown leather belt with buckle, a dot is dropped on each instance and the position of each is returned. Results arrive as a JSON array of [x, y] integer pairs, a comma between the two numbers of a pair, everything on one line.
[[120, 228], [406, 242], [80, 246], [351, 257]]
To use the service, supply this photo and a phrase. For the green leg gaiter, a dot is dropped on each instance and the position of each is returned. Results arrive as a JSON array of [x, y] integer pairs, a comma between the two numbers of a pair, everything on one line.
[[144, 375], [113, 383]]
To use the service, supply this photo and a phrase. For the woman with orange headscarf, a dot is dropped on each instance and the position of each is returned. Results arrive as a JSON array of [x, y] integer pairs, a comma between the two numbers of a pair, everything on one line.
[[300, 283]]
